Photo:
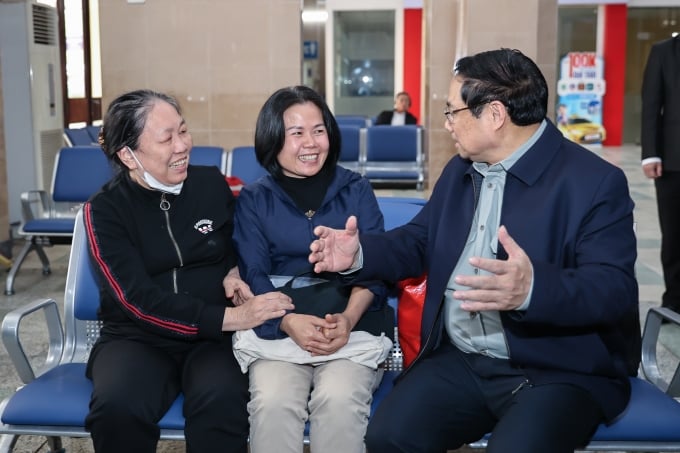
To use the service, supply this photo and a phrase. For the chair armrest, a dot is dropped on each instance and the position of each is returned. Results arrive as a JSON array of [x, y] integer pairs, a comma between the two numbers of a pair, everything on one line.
[[650, 338], [10, 337], [35, 204]]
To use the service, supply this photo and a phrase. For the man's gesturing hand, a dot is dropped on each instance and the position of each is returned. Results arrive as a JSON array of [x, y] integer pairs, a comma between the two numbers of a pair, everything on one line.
[[335, 250], [508, 285]]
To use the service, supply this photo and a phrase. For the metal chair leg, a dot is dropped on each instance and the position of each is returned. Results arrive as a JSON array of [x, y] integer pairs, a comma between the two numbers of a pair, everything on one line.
[[31, 244]]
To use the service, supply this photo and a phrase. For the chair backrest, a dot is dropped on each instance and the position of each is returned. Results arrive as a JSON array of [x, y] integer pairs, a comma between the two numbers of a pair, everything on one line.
[[353, 120], [351, 142], [94, 133], [79, 137], [393, 144], [81, 298], [411, 200], [397, 213], [243, 164], [79, 171], [209, 155]]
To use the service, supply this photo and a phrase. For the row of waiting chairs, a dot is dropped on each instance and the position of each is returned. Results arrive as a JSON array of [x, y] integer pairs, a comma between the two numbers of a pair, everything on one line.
[[54, 399], [89, 135], [384, 154], [48, 216]]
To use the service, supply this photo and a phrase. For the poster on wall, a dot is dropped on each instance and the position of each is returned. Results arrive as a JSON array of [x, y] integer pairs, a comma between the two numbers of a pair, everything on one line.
[[580, 89]]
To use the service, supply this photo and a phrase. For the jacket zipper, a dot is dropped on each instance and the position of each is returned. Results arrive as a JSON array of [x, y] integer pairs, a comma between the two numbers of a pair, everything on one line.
[[165, 207], [525, 382]]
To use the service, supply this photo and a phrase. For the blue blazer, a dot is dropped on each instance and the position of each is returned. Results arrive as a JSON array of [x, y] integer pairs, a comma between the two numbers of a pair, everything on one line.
[[572, 214]]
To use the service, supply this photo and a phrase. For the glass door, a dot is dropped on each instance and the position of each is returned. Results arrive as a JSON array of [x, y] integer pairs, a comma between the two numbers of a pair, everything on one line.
[[364, 55]]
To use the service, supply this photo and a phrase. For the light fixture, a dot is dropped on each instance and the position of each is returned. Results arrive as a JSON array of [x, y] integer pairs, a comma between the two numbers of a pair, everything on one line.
[[314, 16]]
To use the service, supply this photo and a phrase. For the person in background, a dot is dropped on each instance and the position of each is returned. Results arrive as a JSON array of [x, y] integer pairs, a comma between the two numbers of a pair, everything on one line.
[[660, 139], [159, 234], [400, 115], [298, 141], [531, 325]]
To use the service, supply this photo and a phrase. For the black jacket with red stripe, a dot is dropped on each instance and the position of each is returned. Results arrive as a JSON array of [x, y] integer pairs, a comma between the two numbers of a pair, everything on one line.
[[161, 271]]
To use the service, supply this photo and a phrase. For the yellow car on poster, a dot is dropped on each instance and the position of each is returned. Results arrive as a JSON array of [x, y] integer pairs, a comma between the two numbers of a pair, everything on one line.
[[583, 131]]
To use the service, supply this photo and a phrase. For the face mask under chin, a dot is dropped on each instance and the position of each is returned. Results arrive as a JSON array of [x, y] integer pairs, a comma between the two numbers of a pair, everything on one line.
[[174, 189]]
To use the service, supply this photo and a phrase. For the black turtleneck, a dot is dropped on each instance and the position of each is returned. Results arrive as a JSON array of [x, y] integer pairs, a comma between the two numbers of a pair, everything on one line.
[[308, 193]]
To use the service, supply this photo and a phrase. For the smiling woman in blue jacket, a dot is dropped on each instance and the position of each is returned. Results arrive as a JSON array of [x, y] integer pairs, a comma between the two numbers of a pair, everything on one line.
[[298, 141]]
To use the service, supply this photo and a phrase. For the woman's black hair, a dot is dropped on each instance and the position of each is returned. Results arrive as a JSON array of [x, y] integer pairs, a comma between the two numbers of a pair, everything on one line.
[[125, 119], [270, 130]]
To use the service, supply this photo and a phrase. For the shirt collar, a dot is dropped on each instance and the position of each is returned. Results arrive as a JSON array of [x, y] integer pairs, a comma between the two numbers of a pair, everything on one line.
[[509, 161]]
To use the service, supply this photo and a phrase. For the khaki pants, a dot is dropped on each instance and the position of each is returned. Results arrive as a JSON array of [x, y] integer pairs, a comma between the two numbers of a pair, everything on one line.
[[337, 408]]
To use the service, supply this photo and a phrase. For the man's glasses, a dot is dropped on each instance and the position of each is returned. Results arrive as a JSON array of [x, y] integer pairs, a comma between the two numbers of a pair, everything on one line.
[[449, 114]]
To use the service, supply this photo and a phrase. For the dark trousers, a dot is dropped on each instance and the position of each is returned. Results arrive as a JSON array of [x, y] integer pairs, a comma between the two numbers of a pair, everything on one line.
[[668, 204], [135, 384], [451, 398]]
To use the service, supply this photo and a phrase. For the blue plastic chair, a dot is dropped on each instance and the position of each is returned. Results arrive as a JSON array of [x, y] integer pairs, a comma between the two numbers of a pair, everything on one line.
[[94, 133], [353, 120], [412, 200], [48, 217], [79, 137], [395, 154], [209, 155], [243, 164], [352, 147]]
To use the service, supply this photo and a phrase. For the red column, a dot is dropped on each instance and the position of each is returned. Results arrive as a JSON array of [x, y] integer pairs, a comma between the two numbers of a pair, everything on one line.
[[614, 57], [413, 25]]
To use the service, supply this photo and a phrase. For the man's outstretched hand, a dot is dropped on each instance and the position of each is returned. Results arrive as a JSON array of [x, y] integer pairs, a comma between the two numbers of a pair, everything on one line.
[[335, 250]]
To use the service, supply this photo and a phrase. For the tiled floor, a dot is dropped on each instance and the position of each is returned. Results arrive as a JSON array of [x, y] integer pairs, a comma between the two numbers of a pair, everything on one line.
[[31, 284]]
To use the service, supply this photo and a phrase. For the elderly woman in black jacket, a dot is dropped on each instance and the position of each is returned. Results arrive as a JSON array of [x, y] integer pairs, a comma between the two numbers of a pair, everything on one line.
[[160, 234]]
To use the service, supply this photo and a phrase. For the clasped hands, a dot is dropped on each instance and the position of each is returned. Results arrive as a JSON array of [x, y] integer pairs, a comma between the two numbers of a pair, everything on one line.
[[506, 288], [319, 336]]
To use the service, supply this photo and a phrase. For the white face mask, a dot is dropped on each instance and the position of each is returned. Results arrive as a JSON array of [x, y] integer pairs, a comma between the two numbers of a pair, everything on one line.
[[153, 182]]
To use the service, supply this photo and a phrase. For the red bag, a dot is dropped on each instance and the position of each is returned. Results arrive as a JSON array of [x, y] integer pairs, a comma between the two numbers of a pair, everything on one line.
[[409, 315], [235, 184]]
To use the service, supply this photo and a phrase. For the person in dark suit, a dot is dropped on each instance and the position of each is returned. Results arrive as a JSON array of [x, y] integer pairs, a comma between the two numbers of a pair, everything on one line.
[[400, 115], [530, 326], [660, 139]]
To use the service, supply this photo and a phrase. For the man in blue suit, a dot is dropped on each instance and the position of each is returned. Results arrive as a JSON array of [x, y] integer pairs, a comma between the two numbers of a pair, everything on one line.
[[531, 325]]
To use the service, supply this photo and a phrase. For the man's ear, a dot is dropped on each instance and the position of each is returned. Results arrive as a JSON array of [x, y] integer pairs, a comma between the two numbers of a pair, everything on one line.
[[498, 110]]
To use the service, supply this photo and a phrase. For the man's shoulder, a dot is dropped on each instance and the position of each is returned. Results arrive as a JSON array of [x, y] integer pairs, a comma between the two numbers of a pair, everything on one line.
[[383, 117], [666, 45]]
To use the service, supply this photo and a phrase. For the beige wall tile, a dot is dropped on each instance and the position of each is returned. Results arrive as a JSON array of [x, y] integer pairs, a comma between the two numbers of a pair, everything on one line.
[[221, 59]]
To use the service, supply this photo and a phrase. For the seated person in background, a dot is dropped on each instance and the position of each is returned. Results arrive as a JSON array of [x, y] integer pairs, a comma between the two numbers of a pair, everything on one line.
[[399, 116], [170, 291], [298, 141]]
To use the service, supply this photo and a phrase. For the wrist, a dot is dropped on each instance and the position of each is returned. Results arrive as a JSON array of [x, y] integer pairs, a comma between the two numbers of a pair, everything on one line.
[[231, 321], [233, 272]]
